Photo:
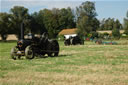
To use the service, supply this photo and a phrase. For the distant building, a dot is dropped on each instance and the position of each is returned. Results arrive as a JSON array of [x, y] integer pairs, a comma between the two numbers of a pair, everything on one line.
[[69, 32]]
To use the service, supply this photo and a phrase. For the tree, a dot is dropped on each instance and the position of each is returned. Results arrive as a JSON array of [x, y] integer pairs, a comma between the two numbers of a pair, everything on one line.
[[116, 29], [55, 25], [102, 22], [86, 9], [50, 20], [116, 33], [37, 23], [108, 24], [4, 25], [83, 26], [67, 18], [56, 19], [19, 15], [126, 24], [86, 18]]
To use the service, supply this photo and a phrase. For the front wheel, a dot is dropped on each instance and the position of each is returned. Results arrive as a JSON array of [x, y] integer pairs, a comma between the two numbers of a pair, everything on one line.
[[13, 52], [29, 53]]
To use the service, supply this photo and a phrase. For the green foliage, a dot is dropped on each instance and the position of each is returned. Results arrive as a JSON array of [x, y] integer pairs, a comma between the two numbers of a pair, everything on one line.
[[50, 21], [61, 37], [19, 15], [124, 36], [101, 36], [106, 34], [36, 23], [46, 20], [87, 20], [108, 24], [126, 24], [66, 19], [4, 25], [55, 20], [94, 34], [86, 9], [116, 33], [116, 30], [83, 26]]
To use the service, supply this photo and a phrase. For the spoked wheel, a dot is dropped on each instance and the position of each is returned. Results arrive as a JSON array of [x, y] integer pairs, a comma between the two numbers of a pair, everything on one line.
[[13, 52], [54, 50], [19, 57], [57, 50], [54, 53], [29, 53], [51, 54]]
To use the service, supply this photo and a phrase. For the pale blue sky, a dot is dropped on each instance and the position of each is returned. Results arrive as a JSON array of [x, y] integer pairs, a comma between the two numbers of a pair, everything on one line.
[[104, 8]]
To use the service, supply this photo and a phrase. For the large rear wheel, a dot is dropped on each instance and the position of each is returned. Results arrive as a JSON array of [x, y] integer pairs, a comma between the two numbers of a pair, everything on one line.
[[56, 49], [51, 54], [29, 53]]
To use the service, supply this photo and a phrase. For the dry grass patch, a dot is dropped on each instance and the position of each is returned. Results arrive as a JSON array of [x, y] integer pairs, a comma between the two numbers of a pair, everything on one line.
[[45, 78]]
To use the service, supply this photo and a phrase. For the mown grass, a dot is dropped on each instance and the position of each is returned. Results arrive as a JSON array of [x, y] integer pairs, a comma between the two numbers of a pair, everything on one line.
[[88, 64]]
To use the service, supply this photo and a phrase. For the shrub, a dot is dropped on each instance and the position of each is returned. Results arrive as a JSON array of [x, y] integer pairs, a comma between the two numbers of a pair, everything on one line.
[[116, 33], [105, 34], [124, 36], [60, 37]]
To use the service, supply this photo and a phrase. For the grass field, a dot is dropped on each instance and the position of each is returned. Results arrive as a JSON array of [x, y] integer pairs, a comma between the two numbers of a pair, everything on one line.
[[88, 64]]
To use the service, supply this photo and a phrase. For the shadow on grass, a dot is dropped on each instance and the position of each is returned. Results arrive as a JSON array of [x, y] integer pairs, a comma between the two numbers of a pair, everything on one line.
[[52, 56], [63, 55], [42, 57]]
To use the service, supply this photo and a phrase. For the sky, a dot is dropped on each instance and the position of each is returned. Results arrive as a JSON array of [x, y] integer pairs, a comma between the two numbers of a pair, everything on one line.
[[105, 8]]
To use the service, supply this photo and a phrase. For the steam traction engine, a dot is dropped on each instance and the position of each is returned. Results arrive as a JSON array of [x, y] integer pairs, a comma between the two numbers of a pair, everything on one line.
[[34, 46]]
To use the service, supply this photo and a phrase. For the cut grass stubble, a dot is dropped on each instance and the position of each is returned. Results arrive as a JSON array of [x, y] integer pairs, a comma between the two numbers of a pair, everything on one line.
[[87, 64]]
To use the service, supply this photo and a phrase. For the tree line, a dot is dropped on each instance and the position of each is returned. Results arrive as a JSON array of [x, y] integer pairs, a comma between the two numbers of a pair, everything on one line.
[[46, 20], [54, 20]]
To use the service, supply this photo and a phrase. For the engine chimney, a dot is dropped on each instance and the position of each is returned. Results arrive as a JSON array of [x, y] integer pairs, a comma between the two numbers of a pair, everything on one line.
[[22, 31]]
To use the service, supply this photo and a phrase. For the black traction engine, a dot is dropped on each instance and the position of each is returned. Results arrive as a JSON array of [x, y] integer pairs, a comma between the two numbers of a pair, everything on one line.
[[34, 46]]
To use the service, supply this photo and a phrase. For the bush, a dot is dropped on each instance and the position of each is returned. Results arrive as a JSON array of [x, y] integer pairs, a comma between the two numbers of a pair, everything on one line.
[[92, 35], [124, 36], [105, 34], [60, 37], [126, 32], [116, 33], [100, 35]]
